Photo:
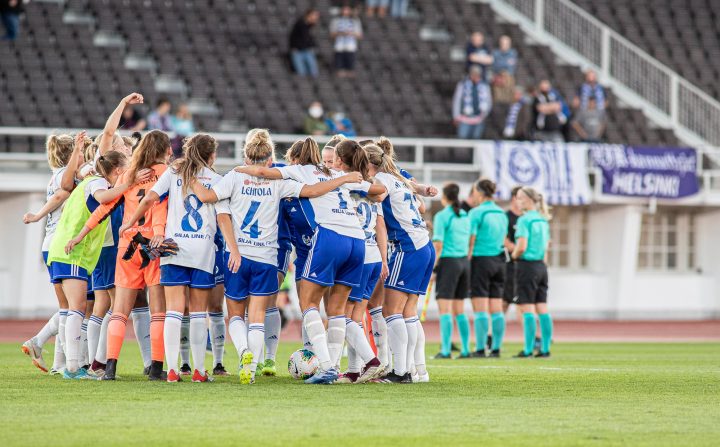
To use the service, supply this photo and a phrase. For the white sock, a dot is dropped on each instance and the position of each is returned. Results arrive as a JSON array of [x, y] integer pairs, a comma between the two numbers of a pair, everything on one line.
[[61, 330], [355, 337], [85, 356], [354, 362], [272, 332], [59, 357], [171, 335], [73, 339], [316, 333], [335, 338], [256, 340], [217, 336], [379, 331], [238, 334], [198, 339], [101, 353], [185, 340], [141, 326], [47, 331], [307, 344], [93, 335], [412, 342], [420, 349], [398, 341]]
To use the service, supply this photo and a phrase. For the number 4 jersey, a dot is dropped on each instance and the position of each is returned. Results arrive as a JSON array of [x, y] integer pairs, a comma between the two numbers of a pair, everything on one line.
[[405, 225], [254, 206], [191, 223]]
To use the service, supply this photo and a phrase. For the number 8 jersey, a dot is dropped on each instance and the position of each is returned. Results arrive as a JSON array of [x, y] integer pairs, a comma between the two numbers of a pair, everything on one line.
[[405, 225], [191, 223]]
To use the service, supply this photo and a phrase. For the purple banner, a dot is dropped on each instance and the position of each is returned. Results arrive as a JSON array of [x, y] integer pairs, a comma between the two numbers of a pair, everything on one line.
[[662, 172]]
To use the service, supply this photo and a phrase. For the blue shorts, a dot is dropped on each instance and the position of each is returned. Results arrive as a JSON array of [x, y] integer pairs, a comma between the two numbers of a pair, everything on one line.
[[283, 260], [178, 275], [60, 271], [219, 267], [370, 275], [45, 256], [252, 278], [334, 259], [103, 277], [300, 258], [410, 271]]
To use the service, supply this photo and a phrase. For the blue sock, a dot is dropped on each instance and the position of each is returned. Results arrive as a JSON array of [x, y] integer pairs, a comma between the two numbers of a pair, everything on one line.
[[529, 328], [464, 329], [498, 329], [482, 322], [446, 330], [546, 330]]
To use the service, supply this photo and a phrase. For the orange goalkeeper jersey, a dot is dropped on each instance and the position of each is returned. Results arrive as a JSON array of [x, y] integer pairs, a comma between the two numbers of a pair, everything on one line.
[[151, 224]]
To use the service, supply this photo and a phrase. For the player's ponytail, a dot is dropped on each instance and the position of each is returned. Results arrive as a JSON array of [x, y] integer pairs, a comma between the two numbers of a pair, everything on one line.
[[259, 147], [152, 149], [308, 153], [451, 192], [197, 151], [59, 149], [105, 164], [382, 156], [539, 201], [354, 156]]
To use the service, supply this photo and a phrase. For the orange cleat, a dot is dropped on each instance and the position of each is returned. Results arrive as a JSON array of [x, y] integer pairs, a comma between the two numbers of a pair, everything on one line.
[[173, 377], [197, 377]]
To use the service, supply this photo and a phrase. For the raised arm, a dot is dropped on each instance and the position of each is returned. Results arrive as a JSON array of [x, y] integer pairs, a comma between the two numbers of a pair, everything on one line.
[[76, 159], [321, 188], [260, 171], [51, 205], [113, 121], [226, 227]]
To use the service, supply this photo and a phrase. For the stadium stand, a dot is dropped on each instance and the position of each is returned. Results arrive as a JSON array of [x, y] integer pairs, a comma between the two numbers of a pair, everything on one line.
[[229, 60], [683, 34]]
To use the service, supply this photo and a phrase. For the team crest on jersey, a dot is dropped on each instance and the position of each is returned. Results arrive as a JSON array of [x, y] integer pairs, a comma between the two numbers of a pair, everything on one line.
[[307, 240]]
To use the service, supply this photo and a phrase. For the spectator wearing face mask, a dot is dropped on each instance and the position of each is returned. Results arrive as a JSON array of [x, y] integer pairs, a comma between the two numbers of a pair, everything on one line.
[[339, 123], [314, 123]]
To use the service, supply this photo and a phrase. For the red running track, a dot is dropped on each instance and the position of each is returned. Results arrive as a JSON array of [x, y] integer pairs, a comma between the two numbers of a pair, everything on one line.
[[565, 331]]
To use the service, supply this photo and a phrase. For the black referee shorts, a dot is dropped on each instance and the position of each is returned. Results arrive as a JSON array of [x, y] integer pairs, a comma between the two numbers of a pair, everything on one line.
[[532, 282], [488, 276], [509, 294], [452, 279]]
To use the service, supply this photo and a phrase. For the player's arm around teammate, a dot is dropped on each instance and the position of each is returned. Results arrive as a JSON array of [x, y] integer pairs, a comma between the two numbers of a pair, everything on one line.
[[451, 234], [532, 238]]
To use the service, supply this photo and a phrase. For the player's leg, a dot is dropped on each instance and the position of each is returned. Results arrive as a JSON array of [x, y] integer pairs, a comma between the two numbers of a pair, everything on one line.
[[199, 297], [393, 308], [185, 369], [124, 301], [98, 364], [379, 328], [76, 291], [354, 330], [546, 323], [217, 327], [527, 282], [411, 317], [273, 325], [62, 319], [100, 309], [237, 328], [141, 327], [175, 297], [33, 347]]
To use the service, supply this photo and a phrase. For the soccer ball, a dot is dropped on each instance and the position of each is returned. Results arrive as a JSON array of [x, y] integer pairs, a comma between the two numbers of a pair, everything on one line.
[[303, 364]]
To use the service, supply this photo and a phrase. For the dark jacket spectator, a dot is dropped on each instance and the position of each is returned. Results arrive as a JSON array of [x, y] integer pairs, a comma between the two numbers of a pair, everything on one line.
[[478, 54], [549, 114], [10, 11], [590, 89], [302, 44], [472, 103]]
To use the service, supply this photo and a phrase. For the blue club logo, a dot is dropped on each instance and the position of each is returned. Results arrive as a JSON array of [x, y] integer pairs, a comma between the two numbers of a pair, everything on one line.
[[523, 167]]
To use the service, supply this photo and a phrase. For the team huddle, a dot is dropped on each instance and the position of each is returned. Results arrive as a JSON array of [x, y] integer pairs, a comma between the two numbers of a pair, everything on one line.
[[164, 242]]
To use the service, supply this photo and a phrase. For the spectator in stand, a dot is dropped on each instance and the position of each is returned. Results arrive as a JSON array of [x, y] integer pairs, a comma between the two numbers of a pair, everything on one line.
[[519, 118], [346, 30], [590, 89], [504, 64], [182, 122], [314, 123], [589, 123], [10, 11], [302, 44], [132, 119], [471, 105], [159, 119], [399, 8], [549, 114], [376, 7], [338, 123], [478, 54]]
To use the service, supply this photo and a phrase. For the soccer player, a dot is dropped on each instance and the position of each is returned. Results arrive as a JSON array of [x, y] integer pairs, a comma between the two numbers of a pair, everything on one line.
[[411, 263], [532, 235], [59, 151], [71, 258], [451, 233], [152, 152], [363, 365], [488, 231], [252, 256], [192, 225]]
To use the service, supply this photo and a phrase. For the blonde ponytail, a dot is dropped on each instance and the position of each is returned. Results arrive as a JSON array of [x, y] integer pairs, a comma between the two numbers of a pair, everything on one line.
[[539, 201], [378, 156]]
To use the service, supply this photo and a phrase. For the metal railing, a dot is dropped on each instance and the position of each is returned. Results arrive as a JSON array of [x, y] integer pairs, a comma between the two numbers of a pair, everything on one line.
[[686, 106]]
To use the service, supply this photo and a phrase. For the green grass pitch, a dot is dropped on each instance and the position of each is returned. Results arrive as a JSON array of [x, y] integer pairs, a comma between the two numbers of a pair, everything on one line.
[[587, 394]]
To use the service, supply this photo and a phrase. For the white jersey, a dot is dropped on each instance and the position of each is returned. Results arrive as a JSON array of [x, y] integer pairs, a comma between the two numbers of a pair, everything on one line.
[[100, 184], [404, 223], [53, 216], [191, 223], [254, 206], [368, 212], [335, 210]]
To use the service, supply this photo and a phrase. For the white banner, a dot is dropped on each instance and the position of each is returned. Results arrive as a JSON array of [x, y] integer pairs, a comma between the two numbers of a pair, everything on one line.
[[558, 171]]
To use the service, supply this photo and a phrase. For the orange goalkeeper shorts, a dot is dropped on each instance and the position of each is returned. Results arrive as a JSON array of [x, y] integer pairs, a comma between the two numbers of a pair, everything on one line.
[[129, 275]]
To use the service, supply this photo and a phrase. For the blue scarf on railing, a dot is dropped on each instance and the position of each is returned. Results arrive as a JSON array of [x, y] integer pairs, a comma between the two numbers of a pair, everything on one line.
[[587, 91]]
